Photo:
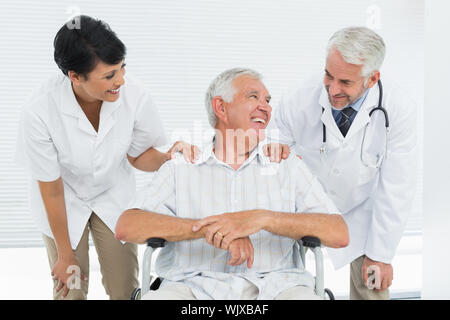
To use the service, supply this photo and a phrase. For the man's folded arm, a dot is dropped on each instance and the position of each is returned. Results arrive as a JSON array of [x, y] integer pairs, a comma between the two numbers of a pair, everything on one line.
[[318, 216], [152, 212], [136, 225], [331, 229]]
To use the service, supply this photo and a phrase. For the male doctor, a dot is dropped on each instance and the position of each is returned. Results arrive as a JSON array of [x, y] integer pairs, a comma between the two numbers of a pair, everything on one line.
[[366, 161]]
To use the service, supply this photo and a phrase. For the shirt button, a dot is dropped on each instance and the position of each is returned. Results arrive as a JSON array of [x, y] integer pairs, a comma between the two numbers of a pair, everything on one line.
[[336, 172], [332, 193]]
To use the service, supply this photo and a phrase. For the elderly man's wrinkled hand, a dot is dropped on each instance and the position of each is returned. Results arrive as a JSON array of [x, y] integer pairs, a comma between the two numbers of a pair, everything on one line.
[[224, 228], [241, 250]]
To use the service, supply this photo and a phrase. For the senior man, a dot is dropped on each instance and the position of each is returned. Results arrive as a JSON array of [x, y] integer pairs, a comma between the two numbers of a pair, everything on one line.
[[359, 138], [233, 206]]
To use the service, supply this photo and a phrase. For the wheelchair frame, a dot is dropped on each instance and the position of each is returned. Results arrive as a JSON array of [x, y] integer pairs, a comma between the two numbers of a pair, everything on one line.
[[305, 243]]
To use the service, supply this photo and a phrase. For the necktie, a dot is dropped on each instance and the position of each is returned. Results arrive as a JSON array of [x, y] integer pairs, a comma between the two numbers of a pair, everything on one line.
[[346, 121]]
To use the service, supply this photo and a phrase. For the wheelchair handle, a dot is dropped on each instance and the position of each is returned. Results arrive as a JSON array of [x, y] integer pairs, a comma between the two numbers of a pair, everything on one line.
[[311, 242], [156, 243]]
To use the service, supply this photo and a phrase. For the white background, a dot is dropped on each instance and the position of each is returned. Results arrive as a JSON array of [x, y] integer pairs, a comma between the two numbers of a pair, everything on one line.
[[177, 47], [436, 255]]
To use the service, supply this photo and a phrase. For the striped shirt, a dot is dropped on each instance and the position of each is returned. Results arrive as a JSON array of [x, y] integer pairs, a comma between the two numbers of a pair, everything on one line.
[[209, 187]]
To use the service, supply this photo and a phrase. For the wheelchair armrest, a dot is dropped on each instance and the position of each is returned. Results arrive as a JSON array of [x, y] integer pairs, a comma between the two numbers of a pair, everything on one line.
[[310, 242], [156, 242]]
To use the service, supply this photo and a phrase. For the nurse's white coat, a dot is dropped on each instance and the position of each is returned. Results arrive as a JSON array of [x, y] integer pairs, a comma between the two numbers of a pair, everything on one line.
[[57, 140]]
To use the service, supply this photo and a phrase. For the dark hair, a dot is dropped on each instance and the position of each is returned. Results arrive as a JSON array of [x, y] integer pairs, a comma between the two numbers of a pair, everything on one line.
[[83, 42]]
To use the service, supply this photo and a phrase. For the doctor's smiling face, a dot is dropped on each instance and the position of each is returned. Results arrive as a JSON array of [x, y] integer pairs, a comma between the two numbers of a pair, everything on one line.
[[101, 84], [344, 81]]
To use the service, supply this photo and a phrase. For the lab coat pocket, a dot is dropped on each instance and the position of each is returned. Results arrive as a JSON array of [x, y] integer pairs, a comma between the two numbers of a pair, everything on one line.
[[371, 157], [367, 174]]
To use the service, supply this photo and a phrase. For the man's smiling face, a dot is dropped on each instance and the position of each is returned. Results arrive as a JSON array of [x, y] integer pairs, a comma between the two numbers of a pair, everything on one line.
[[250, 108]]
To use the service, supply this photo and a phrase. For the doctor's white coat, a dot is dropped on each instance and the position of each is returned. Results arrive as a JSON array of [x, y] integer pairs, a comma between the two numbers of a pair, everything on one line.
[[375, 203]]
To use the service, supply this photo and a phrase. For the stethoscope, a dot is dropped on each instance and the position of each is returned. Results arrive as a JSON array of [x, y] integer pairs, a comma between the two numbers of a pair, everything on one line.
[[323, 147]]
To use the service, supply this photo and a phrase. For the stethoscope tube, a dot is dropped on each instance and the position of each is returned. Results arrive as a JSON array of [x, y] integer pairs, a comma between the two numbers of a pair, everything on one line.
[[380, 107], [323, 148]]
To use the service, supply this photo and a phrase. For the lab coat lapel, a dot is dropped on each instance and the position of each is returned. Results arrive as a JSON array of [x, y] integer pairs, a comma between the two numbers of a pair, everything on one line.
[[362, 117], [327, 116], [70, 107], [107, 120]]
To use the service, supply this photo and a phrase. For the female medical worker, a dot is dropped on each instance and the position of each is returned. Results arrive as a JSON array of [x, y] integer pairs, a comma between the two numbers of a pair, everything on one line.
[[79, 133]]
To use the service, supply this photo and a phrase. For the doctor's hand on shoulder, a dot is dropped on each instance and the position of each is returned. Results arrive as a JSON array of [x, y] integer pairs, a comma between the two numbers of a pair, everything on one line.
[[382, 274], [277, 151]]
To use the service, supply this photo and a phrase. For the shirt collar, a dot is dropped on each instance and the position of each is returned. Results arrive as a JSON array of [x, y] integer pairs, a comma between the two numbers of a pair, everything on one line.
[[70, 105], [258, 153], [358, 103]]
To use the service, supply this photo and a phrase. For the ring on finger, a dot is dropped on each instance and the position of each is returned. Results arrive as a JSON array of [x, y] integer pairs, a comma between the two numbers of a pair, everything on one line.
[[220, 234]]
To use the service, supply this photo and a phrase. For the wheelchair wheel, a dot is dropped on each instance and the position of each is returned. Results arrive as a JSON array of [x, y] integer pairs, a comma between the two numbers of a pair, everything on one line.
[[136, 295], [329, 294]]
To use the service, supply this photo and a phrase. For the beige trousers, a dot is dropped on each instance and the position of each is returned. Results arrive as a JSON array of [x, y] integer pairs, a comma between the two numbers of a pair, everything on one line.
[[358, 290], [180, 291], [118, 262]]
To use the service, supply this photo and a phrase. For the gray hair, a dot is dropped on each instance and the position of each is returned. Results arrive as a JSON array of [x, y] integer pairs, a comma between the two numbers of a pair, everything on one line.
[[222, 86], [359, 45]]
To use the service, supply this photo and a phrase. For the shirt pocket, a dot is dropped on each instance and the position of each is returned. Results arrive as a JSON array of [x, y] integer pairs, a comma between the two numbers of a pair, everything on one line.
[[121, 146]]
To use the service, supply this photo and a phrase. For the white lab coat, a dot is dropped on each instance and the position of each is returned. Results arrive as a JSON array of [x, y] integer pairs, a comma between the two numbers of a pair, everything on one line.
[[375, 203], [57, 140]]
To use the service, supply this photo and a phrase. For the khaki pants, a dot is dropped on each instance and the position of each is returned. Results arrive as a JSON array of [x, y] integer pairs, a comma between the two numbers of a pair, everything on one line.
[[118, 262], [358, 290]]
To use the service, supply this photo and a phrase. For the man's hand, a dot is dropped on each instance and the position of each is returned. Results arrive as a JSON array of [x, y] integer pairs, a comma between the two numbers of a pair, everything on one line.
[[190, 152], [241, 250], [224, 228], [276, 151], [382, 276], [63, 272]]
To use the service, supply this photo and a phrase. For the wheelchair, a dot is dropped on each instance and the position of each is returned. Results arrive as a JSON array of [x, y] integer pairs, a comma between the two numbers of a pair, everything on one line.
[[305, 243]]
